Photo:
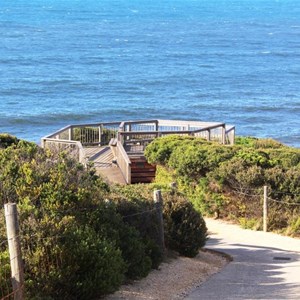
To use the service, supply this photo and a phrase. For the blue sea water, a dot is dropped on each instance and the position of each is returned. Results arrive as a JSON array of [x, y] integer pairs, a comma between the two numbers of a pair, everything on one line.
[[71, 61]]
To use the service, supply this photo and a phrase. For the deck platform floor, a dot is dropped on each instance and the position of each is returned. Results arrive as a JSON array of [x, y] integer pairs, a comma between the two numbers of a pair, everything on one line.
[[102, 157]]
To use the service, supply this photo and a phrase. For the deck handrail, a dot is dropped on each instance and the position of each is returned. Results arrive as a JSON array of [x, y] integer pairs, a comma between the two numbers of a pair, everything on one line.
[[157, 123], [122, 159], [132, 137], [158, 132], [230, 133], [81, 126], [209, 127], [81, 152], [51, 135]]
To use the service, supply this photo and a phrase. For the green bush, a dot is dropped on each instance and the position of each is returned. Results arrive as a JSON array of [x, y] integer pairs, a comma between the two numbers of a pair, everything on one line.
[[160, 150], [7, 140], [228, 180], [128, 239], [193, 162], [135, 255], [135, 205], [185, 229], [79, 264], [294, 225], [253, 142], [5, 280], [81, 244]]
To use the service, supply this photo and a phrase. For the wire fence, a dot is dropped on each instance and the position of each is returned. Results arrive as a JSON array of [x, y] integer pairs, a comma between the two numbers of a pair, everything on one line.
[[9, 274], [278, 210], [257, 193], [41, 257], [6, 290]]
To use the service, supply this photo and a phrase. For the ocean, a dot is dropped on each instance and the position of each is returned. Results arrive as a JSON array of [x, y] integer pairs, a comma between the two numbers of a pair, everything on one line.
[[68, 61]]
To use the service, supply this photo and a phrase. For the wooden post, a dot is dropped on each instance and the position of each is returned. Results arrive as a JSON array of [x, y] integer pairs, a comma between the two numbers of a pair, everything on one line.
[[16, 264], [70, 133], [208, 135], [100, 134], [158, 202], [156, 125], [265, 209], [232, 136], [43, 143], [223, 134]]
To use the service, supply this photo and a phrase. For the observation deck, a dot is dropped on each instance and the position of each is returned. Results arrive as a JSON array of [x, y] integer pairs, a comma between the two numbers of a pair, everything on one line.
[[116, 149]]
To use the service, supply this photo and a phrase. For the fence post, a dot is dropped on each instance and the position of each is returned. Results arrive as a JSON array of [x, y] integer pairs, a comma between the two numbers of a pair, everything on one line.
[[16, 264], [158, 202], [265, 209]]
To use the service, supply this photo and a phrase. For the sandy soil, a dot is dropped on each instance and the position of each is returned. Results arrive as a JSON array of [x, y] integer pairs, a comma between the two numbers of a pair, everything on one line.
[[174, 278]]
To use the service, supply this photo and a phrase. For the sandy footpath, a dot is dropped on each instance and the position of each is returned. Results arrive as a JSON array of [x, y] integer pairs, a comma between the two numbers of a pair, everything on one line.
[[174, 279]]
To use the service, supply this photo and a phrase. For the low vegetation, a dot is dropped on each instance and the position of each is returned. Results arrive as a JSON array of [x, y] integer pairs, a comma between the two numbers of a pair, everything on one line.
[[227, 181], [80, 237]]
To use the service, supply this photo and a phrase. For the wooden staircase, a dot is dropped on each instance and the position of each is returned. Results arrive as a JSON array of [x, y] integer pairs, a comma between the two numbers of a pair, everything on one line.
[[109, 165], [141, 170]]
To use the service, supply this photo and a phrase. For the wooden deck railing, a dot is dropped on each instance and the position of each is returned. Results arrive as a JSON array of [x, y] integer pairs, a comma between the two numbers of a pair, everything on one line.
[[122, 159], [73, 148], [136, 141], [230, 135], [131, 136], [88, 134]]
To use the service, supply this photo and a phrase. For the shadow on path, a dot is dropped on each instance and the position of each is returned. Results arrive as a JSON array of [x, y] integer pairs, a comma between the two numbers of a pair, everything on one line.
[[256, 272]]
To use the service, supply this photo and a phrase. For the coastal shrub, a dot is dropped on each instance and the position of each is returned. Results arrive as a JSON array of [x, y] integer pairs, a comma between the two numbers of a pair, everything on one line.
[[237, 175], [79, 264], [164, 176], [185, 229], [250, 223], [135, 205], [228, 180], [194, 161], [251, 157], [285, 157], [134, 252], [267, 144], [294, 225], [207, 197], [134, 248], [68, 257], [5, 280], [284, 184], [245, 141], [253, 142], [64, 206], [7, 140], [160, 150]]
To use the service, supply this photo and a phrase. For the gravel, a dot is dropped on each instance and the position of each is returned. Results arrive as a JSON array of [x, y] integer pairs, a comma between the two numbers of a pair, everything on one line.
[[174, 278]]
